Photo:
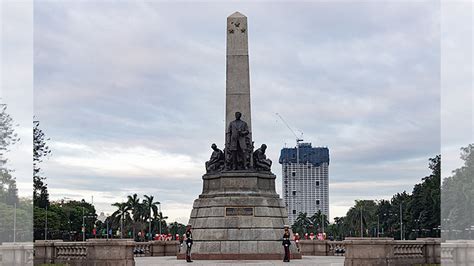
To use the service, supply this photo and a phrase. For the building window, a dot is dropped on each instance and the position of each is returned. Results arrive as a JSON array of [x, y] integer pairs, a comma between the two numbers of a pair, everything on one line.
[[317, 202], [293, 173], [294, 193], [317, 183], [294, 211]]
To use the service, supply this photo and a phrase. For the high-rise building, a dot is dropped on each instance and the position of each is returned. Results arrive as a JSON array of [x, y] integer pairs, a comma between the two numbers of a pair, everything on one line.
[[305, 175]]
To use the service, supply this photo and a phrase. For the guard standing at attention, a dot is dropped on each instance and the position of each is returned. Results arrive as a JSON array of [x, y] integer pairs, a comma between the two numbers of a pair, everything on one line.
[[286, 244], [189, 243]]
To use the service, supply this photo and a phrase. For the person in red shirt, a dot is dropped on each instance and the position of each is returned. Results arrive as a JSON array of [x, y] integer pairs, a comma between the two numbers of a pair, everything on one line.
[[296, 238]]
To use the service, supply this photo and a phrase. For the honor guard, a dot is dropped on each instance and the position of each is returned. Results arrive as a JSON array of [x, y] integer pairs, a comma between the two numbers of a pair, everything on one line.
[[286, 243], [189, 243]]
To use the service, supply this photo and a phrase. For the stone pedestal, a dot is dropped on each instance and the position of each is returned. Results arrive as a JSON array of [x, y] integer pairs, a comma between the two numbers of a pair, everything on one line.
[[102, 252], [239, 216]]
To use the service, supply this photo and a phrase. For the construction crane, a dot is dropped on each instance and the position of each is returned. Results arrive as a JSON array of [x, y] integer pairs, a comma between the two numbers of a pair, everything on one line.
[[296, 169], [298, 139]]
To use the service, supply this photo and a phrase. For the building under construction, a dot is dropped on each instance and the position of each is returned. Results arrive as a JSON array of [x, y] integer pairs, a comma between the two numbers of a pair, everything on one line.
[[305, 177]]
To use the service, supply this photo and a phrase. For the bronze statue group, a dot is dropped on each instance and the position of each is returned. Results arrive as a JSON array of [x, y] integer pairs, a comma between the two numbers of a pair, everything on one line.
[[238, 153]]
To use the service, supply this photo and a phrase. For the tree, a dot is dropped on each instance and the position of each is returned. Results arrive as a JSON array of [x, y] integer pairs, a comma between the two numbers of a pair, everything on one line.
[[64, 220], [8, 189], [301, 223], [8, 137], [151, 207], [362, 217], [425, 208], [176, 228], [320, 220], [161, 220], [458, 198], [40, 151], [137, 209]]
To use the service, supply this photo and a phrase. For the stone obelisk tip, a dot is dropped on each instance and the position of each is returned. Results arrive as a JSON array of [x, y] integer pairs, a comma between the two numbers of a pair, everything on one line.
[[237, 14]]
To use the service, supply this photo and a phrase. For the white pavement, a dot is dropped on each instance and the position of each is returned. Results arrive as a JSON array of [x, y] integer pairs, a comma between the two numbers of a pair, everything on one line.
[[307, 260]]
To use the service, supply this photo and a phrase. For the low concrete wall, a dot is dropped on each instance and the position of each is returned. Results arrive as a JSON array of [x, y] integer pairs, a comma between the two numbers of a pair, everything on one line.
[[457, 252], [386, 251], [93, 252], [100, 251], [314, 247], [16, 254], [164, 248]]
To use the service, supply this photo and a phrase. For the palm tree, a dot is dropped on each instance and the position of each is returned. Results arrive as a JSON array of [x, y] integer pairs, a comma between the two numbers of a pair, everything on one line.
[[137, 210], [161, 220], [301, 223], [320, 219], [176, 228], [121, 216], [338, 227], [149, 207]]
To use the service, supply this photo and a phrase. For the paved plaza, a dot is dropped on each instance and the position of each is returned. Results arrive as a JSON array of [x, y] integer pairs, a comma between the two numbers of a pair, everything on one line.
[[307, 260]]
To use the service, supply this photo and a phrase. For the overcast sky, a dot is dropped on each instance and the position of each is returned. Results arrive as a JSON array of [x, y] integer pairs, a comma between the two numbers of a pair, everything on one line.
[[133, 94]]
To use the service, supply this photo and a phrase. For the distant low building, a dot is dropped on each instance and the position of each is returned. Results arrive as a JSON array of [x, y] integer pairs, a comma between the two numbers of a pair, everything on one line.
[[305, 184]]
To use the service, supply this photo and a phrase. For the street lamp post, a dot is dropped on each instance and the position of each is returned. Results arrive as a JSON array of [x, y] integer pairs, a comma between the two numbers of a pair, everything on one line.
[[401, 223], [83, 225], [46, 224], [324, 221], [14, 224], [121, 225], [378, 225], [160, 215], [149, 226]]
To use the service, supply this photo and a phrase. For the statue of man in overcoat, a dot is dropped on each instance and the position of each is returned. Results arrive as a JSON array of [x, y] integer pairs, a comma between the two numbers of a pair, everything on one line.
[[237, 144]]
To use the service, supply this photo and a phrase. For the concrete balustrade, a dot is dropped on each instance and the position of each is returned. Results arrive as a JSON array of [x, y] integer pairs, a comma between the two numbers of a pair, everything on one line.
[[16, 254], [457, 252], [358, 251], [93, 252], [386, 251], [119, 252]]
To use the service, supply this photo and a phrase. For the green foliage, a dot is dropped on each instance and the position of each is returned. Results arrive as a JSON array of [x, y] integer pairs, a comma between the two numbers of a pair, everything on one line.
[[64, 220], [24, 218], [317, 223], [8, 189], [8, 137], [138, 215], [420, 211], [458, 199], [40, 151]]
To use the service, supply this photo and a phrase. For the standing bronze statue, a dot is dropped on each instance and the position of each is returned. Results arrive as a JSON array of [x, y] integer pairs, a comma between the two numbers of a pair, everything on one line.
[[238, 145], [216, 162]]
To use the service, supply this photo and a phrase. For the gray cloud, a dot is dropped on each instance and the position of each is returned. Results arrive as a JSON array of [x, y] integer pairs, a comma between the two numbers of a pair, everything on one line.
[[362, 79]]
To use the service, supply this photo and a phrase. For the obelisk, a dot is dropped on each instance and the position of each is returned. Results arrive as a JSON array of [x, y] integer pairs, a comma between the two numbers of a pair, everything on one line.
[[238, 215], [237, 70]]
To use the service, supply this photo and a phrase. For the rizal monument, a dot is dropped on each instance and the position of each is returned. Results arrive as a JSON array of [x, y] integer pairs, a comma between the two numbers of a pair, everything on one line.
[[238, 215]]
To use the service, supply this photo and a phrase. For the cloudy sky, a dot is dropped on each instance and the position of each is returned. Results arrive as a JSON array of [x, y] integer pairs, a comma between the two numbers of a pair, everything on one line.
[[133, 94]]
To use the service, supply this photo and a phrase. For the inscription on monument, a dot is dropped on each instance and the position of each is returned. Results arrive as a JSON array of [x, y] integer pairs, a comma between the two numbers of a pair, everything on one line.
[[239, 211]]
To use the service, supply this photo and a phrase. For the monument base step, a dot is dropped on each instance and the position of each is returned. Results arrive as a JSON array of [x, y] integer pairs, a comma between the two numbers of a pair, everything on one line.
[[233, 256]]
